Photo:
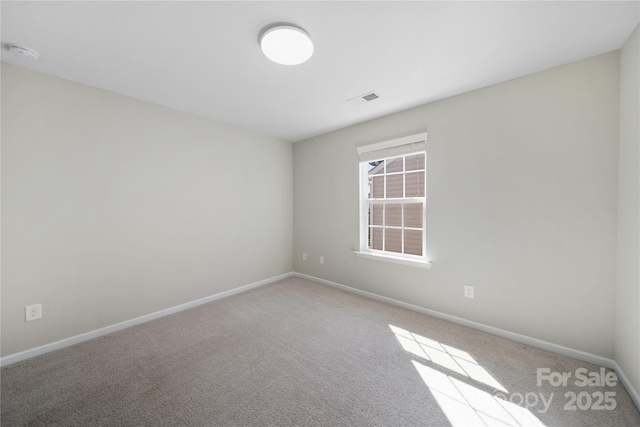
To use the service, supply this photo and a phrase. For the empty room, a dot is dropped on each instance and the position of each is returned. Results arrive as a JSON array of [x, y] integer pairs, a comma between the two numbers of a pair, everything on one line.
[[332, 213]]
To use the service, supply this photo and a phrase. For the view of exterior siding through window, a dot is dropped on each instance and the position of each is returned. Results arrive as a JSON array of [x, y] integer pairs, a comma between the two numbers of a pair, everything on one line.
[[396, 204]]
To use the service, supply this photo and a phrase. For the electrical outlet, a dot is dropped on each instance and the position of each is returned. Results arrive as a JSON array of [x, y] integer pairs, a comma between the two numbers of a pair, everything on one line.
[[33, 312], [321, 260], [468, 291], [304, 256]]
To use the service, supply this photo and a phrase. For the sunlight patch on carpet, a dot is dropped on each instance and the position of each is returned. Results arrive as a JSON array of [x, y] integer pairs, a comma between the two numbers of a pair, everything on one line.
[[461, 386]]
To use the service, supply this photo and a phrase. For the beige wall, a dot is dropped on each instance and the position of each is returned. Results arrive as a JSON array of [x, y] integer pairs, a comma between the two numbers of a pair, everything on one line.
[[521, 204], [627, 351], [113, 208]]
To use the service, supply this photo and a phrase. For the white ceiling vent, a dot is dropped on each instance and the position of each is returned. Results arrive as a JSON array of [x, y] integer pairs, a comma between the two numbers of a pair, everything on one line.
[[366, 97]]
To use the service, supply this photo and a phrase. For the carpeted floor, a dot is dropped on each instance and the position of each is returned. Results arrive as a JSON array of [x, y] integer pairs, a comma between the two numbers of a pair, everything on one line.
[[301, 353]]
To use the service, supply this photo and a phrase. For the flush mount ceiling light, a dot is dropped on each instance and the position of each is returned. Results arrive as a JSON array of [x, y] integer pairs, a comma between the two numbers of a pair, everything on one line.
[[286, 45], [23, 52]]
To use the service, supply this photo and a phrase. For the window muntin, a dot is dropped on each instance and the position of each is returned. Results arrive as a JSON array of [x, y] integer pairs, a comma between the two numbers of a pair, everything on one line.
[[393, 205]]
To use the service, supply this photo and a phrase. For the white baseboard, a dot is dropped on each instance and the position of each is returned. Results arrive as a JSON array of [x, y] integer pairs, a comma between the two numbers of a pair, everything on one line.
[[27, 354], [627, 384], [533, 342]]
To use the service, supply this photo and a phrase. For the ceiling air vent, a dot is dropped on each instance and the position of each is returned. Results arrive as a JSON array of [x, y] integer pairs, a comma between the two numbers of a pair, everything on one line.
[[360, 99], [371, 96]]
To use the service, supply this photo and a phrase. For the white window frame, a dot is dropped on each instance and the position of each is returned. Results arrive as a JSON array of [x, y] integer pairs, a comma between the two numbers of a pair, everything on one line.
[[384, 150]]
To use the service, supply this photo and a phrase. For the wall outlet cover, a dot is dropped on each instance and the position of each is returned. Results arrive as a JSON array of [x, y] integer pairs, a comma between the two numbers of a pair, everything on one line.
[[468, 291], [33, 312]]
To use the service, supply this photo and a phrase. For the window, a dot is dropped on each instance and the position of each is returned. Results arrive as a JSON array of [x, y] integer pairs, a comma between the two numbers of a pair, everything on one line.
[[393, 200]]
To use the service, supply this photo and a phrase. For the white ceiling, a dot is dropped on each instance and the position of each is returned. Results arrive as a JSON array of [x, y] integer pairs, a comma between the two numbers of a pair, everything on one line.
[[204, 58]]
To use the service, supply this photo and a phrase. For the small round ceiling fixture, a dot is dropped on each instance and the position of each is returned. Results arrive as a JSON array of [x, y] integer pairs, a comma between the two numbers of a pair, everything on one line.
[[287, 45], [23, 52]]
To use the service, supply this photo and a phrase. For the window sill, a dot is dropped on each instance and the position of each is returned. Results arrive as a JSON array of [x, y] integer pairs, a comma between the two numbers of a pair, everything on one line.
[[395, 260]]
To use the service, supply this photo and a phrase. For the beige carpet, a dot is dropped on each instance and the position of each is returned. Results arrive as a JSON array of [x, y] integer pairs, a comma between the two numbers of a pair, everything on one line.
[[301, 353]]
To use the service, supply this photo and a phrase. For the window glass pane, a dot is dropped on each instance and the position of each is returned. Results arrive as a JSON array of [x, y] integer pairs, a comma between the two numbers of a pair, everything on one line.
[[414, 182], [413, 242], [375, 238], [376, 214], [376, 168], [394, 186], [377, 187], [413, 215], [393, 240], [414, 162], [393, 215], [397, 227], [394, 165]]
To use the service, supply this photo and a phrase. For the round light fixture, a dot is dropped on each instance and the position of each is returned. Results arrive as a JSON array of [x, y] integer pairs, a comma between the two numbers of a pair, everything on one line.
[[286, 45], [23, 52]]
